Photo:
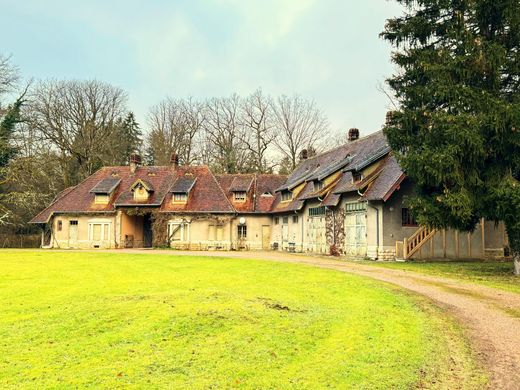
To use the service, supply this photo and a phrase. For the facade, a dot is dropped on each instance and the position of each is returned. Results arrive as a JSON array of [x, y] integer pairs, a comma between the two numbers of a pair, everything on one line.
[[348, 201]]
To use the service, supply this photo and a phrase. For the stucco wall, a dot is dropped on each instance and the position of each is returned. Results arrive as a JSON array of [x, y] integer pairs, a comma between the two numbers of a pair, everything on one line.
[[65, 238]]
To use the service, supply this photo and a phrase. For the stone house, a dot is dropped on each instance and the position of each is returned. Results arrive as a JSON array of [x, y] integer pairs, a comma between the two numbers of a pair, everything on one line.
[[349, 200]]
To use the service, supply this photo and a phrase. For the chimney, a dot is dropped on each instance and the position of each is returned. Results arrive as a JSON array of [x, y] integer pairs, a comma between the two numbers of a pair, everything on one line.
[[174, 160], [304, 154], [353, 135], [135, 160]]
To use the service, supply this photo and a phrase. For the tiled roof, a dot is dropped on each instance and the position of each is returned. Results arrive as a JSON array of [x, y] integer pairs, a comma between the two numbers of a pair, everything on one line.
[[241, 183], [256, 201], [106, 186], [210, 194], [387, 181], [206, 196], [183, 184]]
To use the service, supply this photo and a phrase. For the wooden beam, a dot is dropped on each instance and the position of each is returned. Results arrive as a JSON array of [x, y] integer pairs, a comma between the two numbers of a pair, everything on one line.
[[444, 243], [457, 253], [483, 234]]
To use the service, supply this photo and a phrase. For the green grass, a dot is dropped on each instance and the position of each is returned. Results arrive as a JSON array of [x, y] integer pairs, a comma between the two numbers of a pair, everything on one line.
[[497, 274], [106, 320]]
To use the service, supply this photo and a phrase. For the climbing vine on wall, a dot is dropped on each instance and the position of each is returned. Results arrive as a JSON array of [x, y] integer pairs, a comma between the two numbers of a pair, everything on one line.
[[335, 231]]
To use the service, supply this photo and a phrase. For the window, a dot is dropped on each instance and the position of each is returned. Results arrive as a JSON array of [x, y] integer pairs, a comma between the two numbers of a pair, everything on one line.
[[318, 185], [240, 196], [178, 231], [286, 196], [98, 231], [276, 220], [180, 197], [357, 176], [101, 199], [316, 211], [407, 218], [140, 193], [242, 232], [74, 222], [285, 220], [355, 206], [295, 219], [60, 225]]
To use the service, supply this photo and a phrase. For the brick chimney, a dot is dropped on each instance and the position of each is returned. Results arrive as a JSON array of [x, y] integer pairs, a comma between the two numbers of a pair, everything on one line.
[[304, 154], [135, 161], [174, 160], [353, 134]]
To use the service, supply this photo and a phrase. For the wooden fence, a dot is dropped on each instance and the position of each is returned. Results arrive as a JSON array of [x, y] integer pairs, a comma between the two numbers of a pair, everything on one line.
[[20, 240]]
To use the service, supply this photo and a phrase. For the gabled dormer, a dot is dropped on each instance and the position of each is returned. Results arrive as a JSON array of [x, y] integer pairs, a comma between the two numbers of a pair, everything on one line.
[[104, 189], [142, 190], [240, 187], [181, 189]]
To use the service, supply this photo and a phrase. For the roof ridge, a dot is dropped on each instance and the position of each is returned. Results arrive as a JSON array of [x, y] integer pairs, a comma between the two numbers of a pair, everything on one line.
[[221, 189]]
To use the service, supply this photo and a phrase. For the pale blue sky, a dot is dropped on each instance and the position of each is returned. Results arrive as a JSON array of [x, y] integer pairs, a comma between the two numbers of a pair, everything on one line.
[[326, 50]]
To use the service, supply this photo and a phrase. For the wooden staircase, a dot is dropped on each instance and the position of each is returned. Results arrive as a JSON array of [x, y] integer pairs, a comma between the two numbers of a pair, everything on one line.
[[409, 246]]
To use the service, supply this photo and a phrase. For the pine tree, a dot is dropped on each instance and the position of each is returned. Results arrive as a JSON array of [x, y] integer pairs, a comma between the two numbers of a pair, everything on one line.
[[456, 132], [132, 134]]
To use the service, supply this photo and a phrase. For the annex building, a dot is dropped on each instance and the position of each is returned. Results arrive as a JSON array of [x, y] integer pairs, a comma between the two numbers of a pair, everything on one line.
[[348, 200]]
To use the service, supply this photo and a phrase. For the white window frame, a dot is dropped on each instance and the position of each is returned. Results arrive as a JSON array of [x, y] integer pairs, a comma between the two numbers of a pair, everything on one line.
[[182, 195], [103, 223], [239, 196], [185, 230]]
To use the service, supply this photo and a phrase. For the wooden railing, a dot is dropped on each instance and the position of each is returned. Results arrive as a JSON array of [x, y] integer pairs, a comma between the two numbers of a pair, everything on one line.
[[409, 246]]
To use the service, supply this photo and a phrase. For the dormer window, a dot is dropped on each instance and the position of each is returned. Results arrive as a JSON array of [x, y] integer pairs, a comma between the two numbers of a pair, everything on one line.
[[180, 197], [357, 177], [142, 190], [103, 190], [239, 196], [181, 189], [318, 185], [286, 196], [267, 194]]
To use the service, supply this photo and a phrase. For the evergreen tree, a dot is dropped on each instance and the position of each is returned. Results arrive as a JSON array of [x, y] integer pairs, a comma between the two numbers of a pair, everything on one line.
[[7, 128], [456, 132], [132, 134]]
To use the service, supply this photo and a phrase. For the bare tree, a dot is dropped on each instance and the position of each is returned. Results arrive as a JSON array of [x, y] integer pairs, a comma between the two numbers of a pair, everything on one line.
[[9, 75], [299, 124], [224, 131], [78, 118], [256, 115], [174, 124]]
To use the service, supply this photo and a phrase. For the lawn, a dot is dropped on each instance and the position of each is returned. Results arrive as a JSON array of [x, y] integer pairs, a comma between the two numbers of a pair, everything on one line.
[[108, 320], [497, 274]]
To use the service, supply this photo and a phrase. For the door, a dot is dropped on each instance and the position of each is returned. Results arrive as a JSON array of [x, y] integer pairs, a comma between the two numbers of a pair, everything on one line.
[[73, 234], [266, 237], [147, 231], [355, 234]]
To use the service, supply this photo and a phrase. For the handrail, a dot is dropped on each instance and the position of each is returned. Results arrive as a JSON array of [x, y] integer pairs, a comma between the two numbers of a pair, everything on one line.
[[415, 242]]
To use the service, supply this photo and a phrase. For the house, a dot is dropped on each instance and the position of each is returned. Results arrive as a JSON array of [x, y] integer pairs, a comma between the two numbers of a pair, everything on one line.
[[349, 200]]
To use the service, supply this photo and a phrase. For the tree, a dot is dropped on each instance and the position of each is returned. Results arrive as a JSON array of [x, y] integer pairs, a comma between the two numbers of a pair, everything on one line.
[[174, 125], [80, 119], [224, 131], [456, 132], [126, 139], [256, 115], [299, 125]]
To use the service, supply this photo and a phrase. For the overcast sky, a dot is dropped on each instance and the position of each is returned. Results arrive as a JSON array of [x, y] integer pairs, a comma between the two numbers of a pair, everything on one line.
[[326, 50]]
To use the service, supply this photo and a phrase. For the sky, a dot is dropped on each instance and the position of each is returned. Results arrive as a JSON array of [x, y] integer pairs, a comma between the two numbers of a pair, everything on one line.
[[325, 50]]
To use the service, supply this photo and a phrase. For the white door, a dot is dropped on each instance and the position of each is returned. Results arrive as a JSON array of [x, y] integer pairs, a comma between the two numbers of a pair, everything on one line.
[[73, 234], [355, 234]]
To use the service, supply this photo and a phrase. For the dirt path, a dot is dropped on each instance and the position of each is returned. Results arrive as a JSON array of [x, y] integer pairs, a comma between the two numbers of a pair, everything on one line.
[[491, 316]]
